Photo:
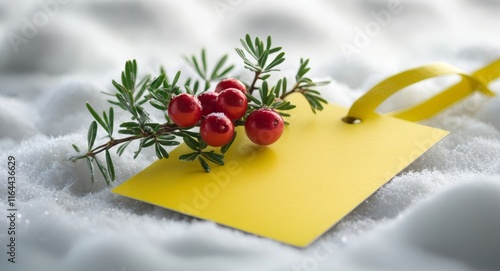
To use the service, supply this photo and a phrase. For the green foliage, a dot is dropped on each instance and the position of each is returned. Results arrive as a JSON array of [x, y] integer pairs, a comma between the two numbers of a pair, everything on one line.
[[260, 52], [135, 98], [305, 86], [200, 66]]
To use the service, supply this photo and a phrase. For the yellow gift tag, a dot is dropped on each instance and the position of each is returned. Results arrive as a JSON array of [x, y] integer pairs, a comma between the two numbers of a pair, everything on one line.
[[299, 187]]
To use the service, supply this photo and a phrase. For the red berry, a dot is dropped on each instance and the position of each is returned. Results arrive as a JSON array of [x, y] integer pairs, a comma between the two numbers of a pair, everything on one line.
[[232, 102], [264, 126], [184, 110], [216, 129], [230, 83], [207, 100]]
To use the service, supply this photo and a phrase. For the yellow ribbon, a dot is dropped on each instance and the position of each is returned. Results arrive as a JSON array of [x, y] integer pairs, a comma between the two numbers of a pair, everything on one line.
[[477, 81]]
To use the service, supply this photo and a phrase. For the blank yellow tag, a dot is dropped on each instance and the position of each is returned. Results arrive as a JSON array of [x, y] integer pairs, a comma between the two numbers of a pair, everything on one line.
[[319, 171], [296, 189]]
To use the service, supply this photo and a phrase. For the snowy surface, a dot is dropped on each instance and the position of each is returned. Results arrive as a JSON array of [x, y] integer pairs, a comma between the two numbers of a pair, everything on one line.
[[441, 213]]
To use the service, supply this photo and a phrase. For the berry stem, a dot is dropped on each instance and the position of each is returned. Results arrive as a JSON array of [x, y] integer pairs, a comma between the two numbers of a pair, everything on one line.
[[294, 89], [165, 129], [110, 144], [252, 86]]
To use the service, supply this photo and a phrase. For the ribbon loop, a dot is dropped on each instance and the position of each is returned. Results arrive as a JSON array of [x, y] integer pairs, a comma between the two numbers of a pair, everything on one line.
[[366, 104]]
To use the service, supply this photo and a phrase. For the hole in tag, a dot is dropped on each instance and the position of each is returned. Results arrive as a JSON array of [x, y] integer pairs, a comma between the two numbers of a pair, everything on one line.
[[351, 120]]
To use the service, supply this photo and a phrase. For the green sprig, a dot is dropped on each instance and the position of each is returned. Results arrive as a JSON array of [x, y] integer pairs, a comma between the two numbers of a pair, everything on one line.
[[200, 66], [135, 97]]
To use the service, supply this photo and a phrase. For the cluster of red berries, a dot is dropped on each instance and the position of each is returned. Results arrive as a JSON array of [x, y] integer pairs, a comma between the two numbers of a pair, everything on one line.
[[218, 110]]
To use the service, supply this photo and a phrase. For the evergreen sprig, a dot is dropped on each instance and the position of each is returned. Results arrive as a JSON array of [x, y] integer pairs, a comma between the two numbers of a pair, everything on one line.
[[260, 52], [200, 66], [306, 86], [137, 97]]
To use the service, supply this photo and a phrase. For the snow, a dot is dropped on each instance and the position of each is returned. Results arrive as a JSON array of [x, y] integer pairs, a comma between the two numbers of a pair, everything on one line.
[[441, 213]]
